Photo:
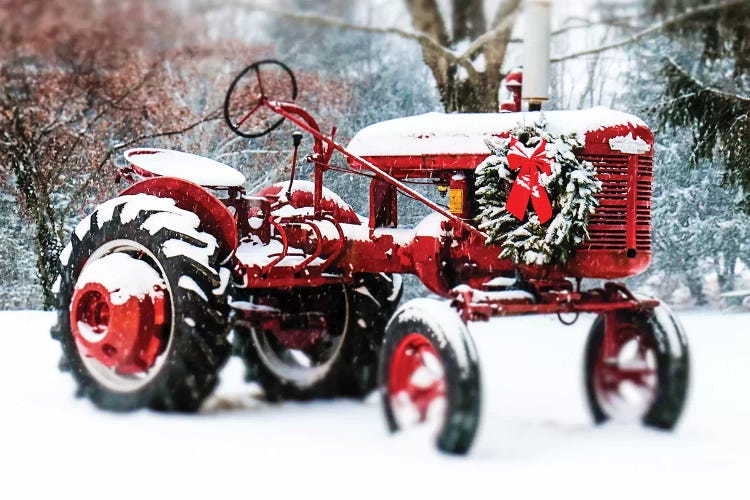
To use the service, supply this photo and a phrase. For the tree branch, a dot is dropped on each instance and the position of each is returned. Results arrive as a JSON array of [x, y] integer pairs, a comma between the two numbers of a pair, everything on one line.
[[426, 18], [109, 105], [469, 21], [704, 87], [501, 30], [214, 115], [667, 23], [505, 9], [423, 38], [582, 23]]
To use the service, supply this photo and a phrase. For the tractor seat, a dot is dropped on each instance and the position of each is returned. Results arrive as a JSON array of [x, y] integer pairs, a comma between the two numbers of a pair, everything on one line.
[[153, 162]]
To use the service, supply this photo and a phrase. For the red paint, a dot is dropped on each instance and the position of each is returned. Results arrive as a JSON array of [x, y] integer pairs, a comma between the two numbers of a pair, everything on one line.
[[527, 183], [216, 219], [549, 297], [295, 336], [513, 83], [292, 112], [421, 166], [127, 337], [383, 205], [457, 254], [300, 199], [410, 357]]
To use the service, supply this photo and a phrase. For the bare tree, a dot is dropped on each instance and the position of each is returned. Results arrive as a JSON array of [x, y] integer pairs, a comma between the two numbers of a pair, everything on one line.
[[465, 53], [465, 50], [77, 85], [468, 74]]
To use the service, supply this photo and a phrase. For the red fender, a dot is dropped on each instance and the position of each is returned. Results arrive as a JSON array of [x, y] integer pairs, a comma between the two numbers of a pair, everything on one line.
[[216, 219]]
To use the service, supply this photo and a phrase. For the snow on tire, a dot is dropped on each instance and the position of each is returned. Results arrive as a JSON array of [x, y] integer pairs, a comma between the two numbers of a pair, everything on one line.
[[142, 307], [429, 374]]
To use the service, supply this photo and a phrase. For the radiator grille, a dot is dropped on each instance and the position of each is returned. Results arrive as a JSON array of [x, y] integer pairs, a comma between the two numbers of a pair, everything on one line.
[[611, 224]]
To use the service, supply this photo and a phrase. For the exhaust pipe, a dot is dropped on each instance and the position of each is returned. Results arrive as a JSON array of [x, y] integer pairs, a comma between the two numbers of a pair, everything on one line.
[[536, 36]]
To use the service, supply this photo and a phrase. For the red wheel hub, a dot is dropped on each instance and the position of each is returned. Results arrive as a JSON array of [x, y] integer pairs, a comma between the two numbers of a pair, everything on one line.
[[626, 360], [126, 336], [417, 377]]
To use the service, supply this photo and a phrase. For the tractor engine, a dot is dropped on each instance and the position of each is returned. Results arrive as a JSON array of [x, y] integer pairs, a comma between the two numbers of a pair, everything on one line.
[[447, 148]]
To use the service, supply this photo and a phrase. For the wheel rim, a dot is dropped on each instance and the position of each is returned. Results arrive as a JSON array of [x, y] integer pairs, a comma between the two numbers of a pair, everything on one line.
[[303, 340], [120, 316], [417, 388], [625, 384]]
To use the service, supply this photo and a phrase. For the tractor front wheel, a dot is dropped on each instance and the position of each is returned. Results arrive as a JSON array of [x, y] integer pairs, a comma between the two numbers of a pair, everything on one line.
[[429, 375], [637, 367]]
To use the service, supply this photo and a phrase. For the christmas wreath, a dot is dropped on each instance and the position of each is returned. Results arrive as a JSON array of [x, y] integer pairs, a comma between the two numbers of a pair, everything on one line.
[[533, 165]]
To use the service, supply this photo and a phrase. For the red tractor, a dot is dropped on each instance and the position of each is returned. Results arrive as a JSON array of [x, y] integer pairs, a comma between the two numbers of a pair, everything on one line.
[[154, 281]]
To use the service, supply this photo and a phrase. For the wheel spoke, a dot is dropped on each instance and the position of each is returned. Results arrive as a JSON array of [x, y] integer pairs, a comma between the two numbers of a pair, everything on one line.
[[260, 81], [626, 381], [250, 113]]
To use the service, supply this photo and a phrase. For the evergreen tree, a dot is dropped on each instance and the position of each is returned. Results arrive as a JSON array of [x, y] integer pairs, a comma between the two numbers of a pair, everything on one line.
[[709, 93], [696, 226]]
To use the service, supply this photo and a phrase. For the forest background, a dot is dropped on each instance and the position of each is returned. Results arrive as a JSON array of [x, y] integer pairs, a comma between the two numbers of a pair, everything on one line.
[[83, 80]]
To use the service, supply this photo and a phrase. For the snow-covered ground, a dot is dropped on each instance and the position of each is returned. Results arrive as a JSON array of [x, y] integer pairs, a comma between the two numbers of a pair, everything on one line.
[[536, 439]]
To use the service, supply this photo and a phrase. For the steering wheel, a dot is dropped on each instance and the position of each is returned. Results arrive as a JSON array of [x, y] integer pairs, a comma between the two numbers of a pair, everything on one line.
[[258, 83]]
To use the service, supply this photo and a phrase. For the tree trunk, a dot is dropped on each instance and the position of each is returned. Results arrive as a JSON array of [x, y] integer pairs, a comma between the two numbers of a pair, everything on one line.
[[37, 204], [695, 284], [477, 95], [730, 264], [465, 84]]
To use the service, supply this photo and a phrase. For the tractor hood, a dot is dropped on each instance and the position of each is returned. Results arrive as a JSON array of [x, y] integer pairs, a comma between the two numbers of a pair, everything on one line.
[[463, 134]]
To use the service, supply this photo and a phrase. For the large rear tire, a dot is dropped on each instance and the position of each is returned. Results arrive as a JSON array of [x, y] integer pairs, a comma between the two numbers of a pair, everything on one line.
[[342, 361], [142, 307], [429, 374], [647, 378]]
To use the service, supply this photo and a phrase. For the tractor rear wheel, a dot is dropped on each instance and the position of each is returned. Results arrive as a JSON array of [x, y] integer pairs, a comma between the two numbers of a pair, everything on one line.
[[327, 342], [429, 375], [142, 307], [645, 376]]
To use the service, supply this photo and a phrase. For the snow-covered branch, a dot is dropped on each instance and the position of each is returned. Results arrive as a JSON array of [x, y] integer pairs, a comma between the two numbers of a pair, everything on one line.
[[333, 22], [502, 30], [433, 40], [706, 88], [651, 30]]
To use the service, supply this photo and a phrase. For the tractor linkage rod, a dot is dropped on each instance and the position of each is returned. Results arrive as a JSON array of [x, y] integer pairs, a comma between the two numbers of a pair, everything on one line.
[[303, 120]]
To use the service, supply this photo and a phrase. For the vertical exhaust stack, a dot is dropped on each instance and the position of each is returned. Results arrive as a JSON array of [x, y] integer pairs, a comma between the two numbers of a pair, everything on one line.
[[536, 36]]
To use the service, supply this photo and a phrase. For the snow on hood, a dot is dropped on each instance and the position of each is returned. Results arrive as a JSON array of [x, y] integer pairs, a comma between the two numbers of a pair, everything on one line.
[[464, 133]]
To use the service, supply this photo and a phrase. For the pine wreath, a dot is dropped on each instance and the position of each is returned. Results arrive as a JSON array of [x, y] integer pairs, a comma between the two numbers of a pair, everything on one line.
[[571, 186]]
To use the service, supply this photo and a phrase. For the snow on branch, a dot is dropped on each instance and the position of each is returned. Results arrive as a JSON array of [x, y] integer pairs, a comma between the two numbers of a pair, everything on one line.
[[502, 26], [501, 30], [651, 30], [321, 20], [703, 87]]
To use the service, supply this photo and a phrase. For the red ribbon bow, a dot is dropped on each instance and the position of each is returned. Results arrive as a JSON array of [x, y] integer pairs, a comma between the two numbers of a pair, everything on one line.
[[527, 184]]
